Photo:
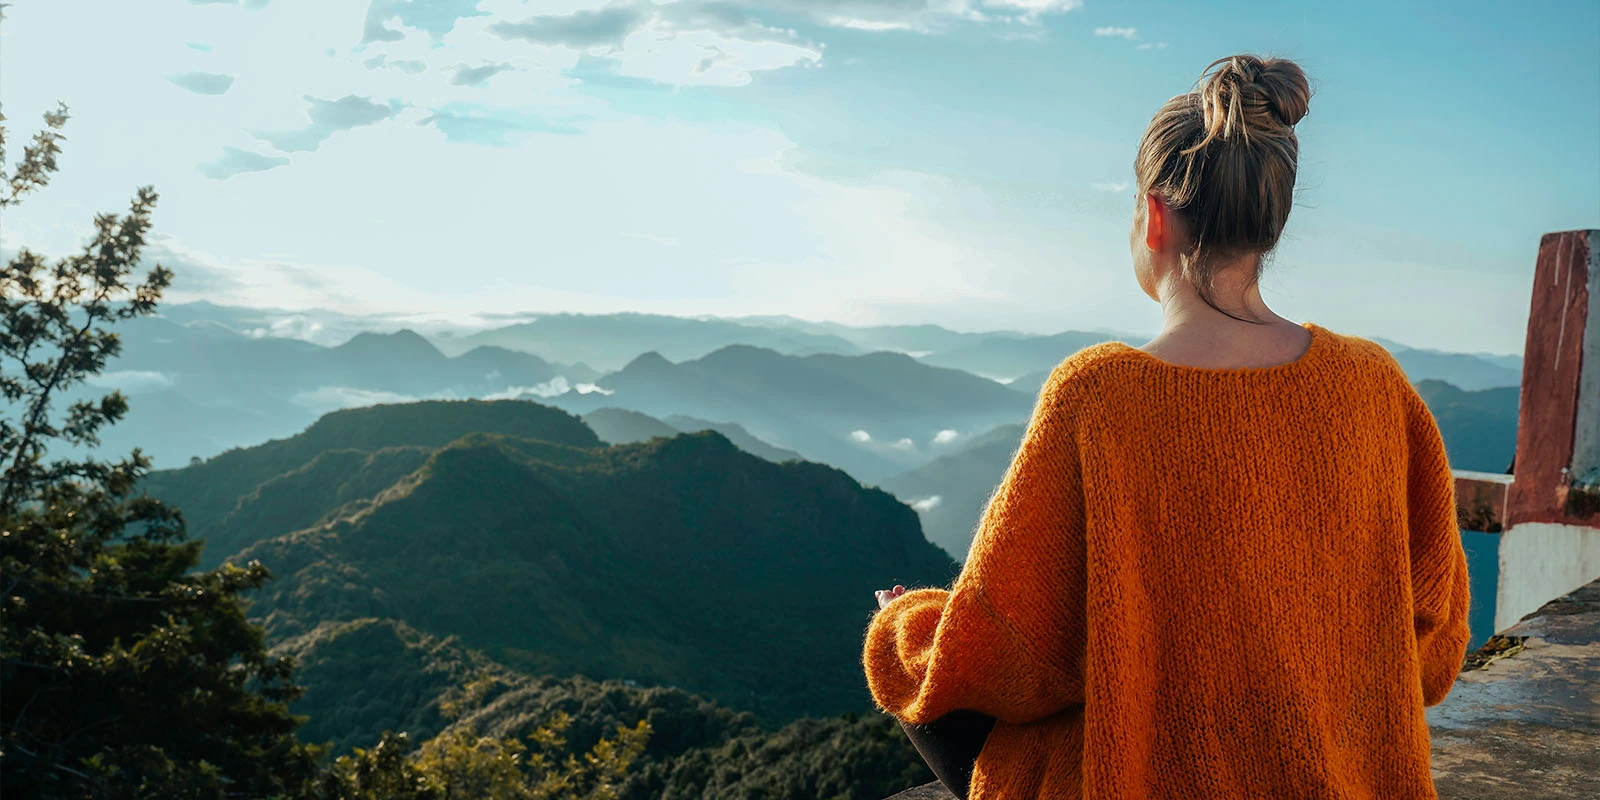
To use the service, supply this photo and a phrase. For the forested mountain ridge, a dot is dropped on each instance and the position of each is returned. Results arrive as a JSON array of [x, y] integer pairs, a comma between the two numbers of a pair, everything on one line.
[[344, 456], [681, 561]]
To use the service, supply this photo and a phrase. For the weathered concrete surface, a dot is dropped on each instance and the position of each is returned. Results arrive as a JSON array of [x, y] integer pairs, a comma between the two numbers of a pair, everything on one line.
[[931, 791], [1539, 560], [1523, 719], [1526, 724]]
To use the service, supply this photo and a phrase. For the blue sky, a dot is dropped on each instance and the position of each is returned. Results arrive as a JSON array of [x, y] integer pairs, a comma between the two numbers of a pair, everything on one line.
[[961, 162]]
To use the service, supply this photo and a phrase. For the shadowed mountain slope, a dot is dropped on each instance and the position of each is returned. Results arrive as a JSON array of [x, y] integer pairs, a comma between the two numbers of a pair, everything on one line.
[[681, 561], [305, 476]]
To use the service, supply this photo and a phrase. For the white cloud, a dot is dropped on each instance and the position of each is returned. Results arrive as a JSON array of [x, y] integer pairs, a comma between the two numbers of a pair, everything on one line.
[[867, 24], [904, 444], [293, 326], [132, 381], [1031, 10], [554, 387], [926, 503], [331, 398], [679, 57], [1152, 45], [860, 436], [668, 44], [1127, 33], [946, 436], [1111, 187], [742, 31], [550, 388]]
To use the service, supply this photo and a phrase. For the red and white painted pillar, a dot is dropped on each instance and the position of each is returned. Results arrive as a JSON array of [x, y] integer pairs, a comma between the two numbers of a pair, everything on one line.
[[1548, 510]]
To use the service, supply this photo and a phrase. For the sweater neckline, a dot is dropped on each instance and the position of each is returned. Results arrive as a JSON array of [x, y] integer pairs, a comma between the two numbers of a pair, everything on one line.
[[1313, 352]]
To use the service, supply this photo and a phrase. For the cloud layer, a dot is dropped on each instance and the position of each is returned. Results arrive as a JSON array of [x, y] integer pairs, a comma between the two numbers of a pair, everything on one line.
[[327, 118], [234, 161], [202, 82]]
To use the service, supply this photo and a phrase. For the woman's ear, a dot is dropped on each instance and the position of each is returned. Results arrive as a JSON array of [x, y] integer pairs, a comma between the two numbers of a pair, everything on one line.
[[1156, 215]]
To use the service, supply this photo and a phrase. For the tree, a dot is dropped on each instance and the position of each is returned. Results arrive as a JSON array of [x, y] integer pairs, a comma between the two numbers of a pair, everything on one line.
[[459, 764], [122, 674]]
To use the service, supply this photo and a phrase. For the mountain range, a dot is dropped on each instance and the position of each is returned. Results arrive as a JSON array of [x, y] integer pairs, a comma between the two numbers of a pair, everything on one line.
[[679, 561], [198, 388], [872, 415], [610, 341], [203, 378]]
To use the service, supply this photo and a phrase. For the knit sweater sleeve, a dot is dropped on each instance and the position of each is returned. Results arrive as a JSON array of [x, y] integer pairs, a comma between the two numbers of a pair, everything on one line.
[[1440, 589], [1007, 638]]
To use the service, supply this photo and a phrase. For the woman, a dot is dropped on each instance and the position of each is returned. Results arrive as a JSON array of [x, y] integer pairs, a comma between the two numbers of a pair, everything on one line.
[[1221, 565]]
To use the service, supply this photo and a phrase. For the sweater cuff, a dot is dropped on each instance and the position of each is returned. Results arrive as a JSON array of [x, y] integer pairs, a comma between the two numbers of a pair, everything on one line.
[[899, 647]]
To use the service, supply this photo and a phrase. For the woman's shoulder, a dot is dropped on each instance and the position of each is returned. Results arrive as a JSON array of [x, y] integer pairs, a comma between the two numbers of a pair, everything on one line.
[[1079, 371], [1339, 357], [1355, 356]]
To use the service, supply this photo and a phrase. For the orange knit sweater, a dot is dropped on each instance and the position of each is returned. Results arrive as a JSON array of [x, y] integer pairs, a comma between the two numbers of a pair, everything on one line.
[[1201, 583]]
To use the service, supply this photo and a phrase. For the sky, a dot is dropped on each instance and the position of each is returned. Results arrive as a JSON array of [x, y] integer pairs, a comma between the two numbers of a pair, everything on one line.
[[966, 163]]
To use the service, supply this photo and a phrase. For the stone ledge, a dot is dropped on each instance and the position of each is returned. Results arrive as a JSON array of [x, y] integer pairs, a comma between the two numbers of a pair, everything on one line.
[[1526, 723], [1523, 719], [928, 791]]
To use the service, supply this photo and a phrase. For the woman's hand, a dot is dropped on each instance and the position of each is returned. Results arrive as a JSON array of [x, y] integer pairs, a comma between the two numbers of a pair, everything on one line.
[[885, 595]]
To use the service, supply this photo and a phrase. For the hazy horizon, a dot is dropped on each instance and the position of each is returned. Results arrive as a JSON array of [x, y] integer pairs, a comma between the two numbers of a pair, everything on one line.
[[313, 325]]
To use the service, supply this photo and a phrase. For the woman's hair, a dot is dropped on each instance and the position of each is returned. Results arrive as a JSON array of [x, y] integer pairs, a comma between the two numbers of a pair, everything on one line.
[[1223, 157]]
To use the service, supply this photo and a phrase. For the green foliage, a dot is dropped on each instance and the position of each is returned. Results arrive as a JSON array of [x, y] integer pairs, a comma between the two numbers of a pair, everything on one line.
[[696, 748], [852, 757], [384, 771], [461, 765], [121, 674], [370, 675]]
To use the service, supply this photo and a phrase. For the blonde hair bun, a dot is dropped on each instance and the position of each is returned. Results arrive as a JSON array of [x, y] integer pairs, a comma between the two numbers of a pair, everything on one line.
[[1224, 156], [1247, 96]]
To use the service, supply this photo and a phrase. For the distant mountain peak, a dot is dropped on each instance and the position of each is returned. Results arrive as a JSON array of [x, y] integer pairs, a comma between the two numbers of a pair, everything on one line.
[[739, 353], [486, 352], [649, 361], [404, 342]]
